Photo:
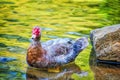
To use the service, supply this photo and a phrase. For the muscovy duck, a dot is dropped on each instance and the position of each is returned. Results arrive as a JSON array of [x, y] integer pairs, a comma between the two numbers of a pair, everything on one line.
[[53, 53]]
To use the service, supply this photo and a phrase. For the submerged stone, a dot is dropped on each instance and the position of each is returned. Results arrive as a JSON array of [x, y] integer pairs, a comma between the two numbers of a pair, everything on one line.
[[106, 43]]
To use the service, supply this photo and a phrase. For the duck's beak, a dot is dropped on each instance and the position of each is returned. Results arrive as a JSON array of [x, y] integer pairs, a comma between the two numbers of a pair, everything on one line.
[[33, 36]]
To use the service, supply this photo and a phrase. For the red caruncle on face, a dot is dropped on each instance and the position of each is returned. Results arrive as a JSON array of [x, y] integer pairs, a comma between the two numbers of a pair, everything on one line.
[[36, 31]]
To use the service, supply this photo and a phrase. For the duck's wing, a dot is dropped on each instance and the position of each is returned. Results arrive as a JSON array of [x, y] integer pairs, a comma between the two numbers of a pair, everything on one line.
[[74, 50], [63, 51], [56, 41], [58, 46]]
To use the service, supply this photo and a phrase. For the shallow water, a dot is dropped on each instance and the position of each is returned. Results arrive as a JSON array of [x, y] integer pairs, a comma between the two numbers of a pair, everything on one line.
[[57, 19]]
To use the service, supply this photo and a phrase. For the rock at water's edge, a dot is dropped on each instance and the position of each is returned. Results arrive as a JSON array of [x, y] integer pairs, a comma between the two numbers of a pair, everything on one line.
[[106, 43]]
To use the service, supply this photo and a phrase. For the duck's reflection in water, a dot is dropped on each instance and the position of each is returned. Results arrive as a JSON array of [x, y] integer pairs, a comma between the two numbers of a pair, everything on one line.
[[64, 74]]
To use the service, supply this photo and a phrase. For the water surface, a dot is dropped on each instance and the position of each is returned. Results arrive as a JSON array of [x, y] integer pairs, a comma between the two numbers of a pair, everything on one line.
[[57, 19]]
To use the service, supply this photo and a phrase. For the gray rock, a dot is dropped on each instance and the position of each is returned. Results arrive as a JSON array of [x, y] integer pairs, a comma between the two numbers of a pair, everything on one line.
[[106, 43]]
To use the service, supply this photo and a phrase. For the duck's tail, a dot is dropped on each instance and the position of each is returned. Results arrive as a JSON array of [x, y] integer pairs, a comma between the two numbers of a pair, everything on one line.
[[78, 46]]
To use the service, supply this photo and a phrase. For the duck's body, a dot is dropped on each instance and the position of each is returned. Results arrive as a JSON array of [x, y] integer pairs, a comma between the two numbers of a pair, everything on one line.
[[54, 52]]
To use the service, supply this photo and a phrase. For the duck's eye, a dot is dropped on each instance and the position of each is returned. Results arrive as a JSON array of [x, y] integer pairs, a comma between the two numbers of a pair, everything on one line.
[[69, 42]]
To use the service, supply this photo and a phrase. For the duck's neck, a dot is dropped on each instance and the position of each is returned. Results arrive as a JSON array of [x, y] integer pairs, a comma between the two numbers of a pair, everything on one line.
[[34, 52], [36, 42]]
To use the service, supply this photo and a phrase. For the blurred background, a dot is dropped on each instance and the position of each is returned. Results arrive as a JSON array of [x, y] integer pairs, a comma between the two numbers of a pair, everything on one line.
[[58, 19]]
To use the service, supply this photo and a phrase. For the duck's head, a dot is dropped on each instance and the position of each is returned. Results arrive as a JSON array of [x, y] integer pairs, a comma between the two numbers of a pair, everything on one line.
[[36, 33]]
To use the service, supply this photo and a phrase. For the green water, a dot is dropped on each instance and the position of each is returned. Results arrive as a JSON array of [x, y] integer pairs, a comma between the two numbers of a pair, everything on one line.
[[58, 19]]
